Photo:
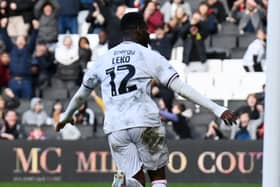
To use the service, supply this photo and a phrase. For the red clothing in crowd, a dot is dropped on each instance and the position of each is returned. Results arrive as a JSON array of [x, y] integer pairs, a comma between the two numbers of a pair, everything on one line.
[[155, 20], [5, 75]]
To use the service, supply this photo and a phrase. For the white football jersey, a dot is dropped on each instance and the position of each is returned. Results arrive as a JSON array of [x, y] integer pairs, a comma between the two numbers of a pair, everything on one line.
[[125, 73]]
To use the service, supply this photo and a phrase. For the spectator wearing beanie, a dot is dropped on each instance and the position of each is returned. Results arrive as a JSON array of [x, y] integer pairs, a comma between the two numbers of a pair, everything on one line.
[[36, 115]]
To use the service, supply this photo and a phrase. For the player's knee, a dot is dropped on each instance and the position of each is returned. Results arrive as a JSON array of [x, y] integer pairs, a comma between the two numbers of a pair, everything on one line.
[[140, 177], [157, 175], [159, 183], [132, 182]]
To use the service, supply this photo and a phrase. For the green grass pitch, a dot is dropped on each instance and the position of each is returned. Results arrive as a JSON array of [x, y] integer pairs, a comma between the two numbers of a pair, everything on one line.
[[109, 185]]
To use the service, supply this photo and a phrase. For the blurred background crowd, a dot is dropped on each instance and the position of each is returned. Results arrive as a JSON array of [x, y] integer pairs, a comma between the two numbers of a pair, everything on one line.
[[47, 45]]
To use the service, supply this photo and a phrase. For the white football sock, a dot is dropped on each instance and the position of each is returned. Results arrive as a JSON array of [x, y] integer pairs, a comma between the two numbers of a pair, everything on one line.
[[159, 183], [131, 182]]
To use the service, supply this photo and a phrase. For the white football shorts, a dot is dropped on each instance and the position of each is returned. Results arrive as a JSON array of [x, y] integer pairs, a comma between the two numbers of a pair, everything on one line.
[[136, 148]]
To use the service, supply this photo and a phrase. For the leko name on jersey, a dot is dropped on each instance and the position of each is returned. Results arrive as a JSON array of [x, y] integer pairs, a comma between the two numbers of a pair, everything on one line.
[[122, 56]]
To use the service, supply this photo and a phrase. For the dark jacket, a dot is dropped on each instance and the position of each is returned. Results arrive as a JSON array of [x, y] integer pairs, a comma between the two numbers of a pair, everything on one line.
[[112, 22], [181, 127], [211, 24], [12, 130], [219, 11], [70, 72], [20, 65], [84, 57], [194, 47], [11, 103], [44, 63], [165, 45], [69, 7], [179, 124], [24, 8], [92, 20], [48, 31], [115, 37]]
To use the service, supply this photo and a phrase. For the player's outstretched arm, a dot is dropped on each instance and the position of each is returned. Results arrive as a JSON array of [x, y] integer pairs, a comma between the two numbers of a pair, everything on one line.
[[78, 99], [186, 91]]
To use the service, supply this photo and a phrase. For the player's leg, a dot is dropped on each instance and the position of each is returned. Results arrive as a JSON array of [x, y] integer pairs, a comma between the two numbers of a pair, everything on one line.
[[126, 157], [153, 152], [157, 177], [138, 180]]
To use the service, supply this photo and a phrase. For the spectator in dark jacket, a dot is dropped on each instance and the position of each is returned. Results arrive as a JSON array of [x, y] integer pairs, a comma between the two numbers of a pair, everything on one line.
[[252, 107], [21, 56], [208, 18], [68, 16], [179, 122], [11, 128], [167, 95], [194, 33], [84, 52], [4, 69], [95, 18], [218, 9], [112, 20], [42, 69], [11, 101], [47, 11], [164, 41], [20, 16]]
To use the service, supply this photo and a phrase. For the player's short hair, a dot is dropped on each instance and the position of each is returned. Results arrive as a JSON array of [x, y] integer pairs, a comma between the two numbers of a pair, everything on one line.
[[133, 21]]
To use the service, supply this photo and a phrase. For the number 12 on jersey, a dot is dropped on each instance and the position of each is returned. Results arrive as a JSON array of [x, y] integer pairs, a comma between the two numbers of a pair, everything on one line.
[[122, 88]]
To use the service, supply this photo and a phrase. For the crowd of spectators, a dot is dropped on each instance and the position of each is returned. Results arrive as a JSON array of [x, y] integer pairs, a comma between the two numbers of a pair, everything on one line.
[[39, 51]]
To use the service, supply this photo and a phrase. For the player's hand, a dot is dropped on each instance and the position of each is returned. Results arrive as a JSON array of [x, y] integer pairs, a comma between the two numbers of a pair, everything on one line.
[[229, 117]]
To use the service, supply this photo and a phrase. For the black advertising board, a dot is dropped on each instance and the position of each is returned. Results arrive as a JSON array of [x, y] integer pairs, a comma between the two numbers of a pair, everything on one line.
[[91, 161]]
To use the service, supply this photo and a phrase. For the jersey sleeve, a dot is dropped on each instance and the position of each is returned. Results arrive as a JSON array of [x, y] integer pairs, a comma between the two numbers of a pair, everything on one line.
[[91, 79], [161, 69]]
